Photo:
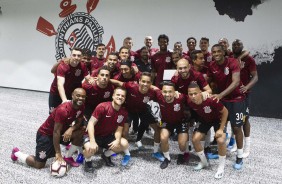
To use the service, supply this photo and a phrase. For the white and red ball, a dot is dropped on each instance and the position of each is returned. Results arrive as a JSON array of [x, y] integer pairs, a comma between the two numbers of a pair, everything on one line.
[[58, 169]]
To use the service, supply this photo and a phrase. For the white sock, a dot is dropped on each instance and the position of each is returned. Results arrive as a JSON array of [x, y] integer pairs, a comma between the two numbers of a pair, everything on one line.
[[88, 159], [240, 153], [221, 164], [80, 150], [247, 143], [202, 156], [71, 151], [182, 152], [126, 152], [166, 155], [21, 157], [139, 143], [187, 147], [156, 147], [190, 133], [203, 144], [108, 153]]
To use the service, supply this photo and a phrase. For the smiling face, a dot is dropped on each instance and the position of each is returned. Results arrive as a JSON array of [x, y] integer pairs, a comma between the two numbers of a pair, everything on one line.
[[168, 93], [78, 97], [163, 43], [183, 68], [191, 44], [218, 54], [124, 54], [119, 96], [148, 41], [112, 61], [144, 84], [125, 71]]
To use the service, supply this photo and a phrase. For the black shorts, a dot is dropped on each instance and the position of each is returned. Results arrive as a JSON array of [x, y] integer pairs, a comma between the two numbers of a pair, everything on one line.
[[102, 141], [236, 112], [87, 114], [54, 101], [45, 147], [247, 101], [146, 117], [205, 127], [181, 127]]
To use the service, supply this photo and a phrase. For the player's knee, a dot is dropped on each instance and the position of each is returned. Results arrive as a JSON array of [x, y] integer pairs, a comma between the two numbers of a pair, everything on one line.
[[196, 140], [220, 141], [124, 143]]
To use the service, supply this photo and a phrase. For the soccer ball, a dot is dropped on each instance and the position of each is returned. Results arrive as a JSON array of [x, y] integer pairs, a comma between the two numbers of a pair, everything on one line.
[[58, 169]]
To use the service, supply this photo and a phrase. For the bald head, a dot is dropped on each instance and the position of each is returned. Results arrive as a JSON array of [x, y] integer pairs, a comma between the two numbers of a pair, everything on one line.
[[183, 68]]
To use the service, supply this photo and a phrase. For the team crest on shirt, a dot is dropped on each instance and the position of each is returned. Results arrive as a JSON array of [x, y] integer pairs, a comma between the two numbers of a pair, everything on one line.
[[107, 94], [176, 107], [209, 59], [207, 109], [146, 99], [77, 114], [167, 59], [226, 70], [42, 154], [132, 58], [120, 118], [77, 72]]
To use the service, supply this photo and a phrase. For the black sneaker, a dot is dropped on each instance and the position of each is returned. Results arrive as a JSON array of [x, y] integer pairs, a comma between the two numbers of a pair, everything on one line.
[[165, 163], [88, 167], [180, 159], [108, 160]]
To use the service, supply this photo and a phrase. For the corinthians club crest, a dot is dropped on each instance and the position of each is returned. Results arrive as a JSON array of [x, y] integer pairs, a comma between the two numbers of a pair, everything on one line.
[[77, 29]]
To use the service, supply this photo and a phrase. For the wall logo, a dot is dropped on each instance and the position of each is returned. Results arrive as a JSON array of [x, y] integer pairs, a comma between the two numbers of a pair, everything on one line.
[[78, 29]]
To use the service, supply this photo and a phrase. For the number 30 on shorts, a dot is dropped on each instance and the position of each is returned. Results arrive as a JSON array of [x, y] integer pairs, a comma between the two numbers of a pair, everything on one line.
[[240, 117]]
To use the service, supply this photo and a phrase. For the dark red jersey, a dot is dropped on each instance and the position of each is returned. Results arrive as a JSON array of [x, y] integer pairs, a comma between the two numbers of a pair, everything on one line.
[[135, 100], [96, 63], [247, 66], [160, 62], [222, 76], [181, 85], [108, 119], [135, 77], [208, 111], [96, 95], [171, 113], [64, 114], [73, 77]]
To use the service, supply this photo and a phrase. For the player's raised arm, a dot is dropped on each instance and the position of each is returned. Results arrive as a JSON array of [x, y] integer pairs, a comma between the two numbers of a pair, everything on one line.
[[116, 82]]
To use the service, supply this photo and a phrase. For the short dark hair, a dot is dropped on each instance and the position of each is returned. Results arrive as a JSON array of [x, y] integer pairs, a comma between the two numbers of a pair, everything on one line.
[[124, 47], [77, 48], [143, 48], [193, 38], [218, 45], [194, 54], [164, 36], [100, 44], [206, 39], [86, 52], [193, 85], [146, 74], [126, 62], [105, 67], [167, 83], [122, 88]]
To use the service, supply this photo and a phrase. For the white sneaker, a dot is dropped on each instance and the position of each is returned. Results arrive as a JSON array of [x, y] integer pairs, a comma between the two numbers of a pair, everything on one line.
[[200, 166], [219, 174]]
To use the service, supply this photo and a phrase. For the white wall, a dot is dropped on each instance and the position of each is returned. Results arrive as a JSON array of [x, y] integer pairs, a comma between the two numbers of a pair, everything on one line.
[[27, 55]]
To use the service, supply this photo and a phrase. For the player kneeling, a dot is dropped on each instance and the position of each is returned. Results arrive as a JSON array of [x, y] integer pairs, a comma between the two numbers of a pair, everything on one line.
[[105, 130], [211, 113]]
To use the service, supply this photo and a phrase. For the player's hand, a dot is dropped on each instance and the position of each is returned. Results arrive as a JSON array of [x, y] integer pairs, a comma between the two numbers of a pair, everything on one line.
[[206, 95], [135, 69], [67, 135], [63, 101], [114, 145], [91, 80], [93, 148], [59, 158], [218, 133], [216, 97], [243, 89], [176, 73], [176, 94]]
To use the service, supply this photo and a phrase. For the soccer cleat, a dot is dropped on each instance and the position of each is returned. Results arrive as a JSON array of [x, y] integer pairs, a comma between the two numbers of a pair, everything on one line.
[[165, 163], [200, 166], [108, 160], [13, 156], [80, 158], [88, 167], [238, 164], [212, 156], [71, 162], [219, 174], [180, 159], [158, 156], [125, 160]]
